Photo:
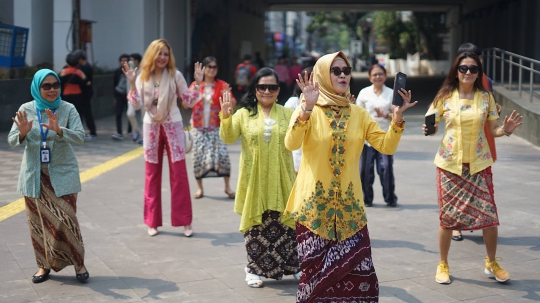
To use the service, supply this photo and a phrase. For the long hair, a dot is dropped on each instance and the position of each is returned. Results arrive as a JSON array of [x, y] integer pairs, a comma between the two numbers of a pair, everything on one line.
[[249, 99], [148, 63], [451, 82], [207, 61]]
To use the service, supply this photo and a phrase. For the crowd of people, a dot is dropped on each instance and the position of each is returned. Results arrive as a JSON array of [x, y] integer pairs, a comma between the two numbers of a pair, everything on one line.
[[306, 169]]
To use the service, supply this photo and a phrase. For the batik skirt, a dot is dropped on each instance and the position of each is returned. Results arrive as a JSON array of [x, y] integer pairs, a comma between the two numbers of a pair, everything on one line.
[[210, 156], [336, 272], [466, 202], [271, 248], [54, 228]]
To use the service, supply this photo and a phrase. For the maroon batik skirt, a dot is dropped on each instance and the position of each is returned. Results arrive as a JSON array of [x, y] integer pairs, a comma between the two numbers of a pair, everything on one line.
[[336, 272], [466, 202]]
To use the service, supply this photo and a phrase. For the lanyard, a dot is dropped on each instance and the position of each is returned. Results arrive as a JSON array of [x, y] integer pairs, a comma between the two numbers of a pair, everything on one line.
[[43, 134]]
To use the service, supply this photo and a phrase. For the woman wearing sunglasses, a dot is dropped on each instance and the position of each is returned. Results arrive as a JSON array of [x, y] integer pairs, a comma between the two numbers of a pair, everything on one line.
[[464, 183], [377, 100], [49, 177], [265, 178], [210, 156], [326, 201]]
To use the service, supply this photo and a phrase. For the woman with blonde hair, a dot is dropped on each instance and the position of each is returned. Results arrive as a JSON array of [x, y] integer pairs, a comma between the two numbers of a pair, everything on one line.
[[157, 88]]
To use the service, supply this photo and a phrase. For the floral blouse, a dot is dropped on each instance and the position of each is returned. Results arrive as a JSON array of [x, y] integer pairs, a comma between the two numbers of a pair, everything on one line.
[[464, 139], [327, 195], [173, 126]]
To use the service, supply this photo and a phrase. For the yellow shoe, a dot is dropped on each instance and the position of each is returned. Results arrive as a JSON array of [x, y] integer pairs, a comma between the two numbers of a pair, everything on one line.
[[443, 273], [493, 268]]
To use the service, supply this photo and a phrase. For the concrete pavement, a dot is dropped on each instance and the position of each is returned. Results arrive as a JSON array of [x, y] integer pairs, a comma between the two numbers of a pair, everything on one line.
[[125, 264]]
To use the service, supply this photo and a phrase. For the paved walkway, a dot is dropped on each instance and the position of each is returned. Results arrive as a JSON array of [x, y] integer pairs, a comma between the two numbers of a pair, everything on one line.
[[126, 264]]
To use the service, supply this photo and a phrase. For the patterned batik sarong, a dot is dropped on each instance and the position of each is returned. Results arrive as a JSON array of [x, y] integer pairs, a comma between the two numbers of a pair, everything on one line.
[[337, 272], [466, 202], [271, 248], [54, 228], [210, 156]]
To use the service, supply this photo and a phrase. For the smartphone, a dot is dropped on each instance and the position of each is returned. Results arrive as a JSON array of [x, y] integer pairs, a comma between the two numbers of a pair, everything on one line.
[[131, 64], [430, 124], [399, 83]]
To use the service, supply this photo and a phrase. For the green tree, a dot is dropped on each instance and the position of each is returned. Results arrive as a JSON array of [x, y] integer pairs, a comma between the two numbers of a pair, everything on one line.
[[400, 37], [342, 24]]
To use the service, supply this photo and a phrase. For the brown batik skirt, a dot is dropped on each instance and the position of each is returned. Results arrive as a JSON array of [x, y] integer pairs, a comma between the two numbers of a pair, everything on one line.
[[466, 201], [54, 228], [271, 248]]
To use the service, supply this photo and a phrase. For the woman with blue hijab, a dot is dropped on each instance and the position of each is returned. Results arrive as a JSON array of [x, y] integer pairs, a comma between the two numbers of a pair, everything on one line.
[[49, 176]]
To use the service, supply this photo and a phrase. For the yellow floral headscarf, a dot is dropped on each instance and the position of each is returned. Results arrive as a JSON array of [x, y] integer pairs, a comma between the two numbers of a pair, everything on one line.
[[321, 72]]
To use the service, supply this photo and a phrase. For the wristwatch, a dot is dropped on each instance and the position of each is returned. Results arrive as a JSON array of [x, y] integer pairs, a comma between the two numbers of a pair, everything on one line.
[[303, 106]]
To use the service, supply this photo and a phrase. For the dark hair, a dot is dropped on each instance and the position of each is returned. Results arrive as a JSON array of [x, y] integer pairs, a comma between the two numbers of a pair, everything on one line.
[[469, 48], [207, 61], [123, 56], [72, 60], [249, 99], [297, 91], [374, 66], [451, 82], [136, 56], [79, 54], [247, 57]]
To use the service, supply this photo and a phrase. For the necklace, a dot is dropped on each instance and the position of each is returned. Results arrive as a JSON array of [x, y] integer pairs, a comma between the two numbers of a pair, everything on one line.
[[156, 83]]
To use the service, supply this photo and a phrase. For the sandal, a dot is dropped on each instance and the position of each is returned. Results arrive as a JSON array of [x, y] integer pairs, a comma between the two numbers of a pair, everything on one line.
[[231, 195], [253, 280], [457, 237], [198, 195]]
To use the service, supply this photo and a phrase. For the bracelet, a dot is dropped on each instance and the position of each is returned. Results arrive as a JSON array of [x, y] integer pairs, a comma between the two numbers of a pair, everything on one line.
[[504, 131], [303, 107]]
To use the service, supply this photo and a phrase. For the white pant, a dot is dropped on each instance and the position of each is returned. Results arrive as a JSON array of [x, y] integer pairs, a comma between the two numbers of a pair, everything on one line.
[[133, 118]]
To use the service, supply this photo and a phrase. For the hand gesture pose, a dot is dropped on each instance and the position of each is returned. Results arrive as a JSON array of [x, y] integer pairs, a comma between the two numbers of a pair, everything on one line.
[[199, 72], [226, 105], [23, 124], [380, 112], [130, 73], [351, 98], [53, 122], [512, 122], [309, 89], [398, 110]]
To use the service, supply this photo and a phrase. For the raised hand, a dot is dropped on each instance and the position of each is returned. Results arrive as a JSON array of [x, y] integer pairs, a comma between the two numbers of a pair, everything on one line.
[[512, 122], [131, 73], [53, 122], [398, 110], [226, 104], [22, 123], [351, 98], [380, 112], [199, 72], [309, 89]]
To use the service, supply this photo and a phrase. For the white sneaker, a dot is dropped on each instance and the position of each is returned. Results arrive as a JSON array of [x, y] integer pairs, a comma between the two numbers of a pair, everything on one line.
[[118, 137], [152, 231]]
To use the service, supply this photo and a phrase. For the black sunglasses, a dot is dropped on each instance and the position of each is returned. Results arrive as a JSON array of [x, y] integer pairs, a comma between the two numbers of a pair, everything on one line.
[[261, 88], [211, 66], [337, 71], [474, 69], [48, 86]]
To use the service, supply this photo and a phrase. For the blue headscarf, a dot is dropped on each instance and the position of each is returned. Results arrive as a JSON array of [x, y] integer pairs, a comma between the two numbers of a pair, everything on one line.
[[41, 103]]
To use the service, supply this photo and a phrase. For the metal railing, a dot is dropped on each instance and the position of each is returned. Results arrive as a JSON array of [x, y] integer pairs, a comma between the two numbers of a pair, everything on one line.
[[496, 56]]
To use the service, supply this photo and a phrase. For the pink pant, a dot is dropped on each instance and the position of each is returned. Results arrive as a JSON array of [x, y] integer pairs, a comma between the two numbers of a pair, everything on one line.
[[181, 214]]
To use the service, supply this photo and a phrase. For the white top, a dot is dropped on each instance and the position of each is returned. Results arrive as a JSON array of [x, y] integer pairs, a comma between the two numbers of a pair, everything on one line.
[[208, 92], [369, 100], [292, 103]]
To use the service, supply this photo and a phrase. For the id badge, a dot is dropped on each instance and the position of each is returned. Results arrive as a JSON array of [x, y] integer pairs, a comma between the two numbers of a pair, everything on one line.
[[45, 153]]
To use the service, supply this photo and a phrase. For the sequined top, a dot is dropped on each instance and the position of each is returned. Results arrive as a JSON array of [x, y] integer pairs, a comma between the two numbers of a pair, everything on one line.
[[327, 195], [63, 168], [266, 173]]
